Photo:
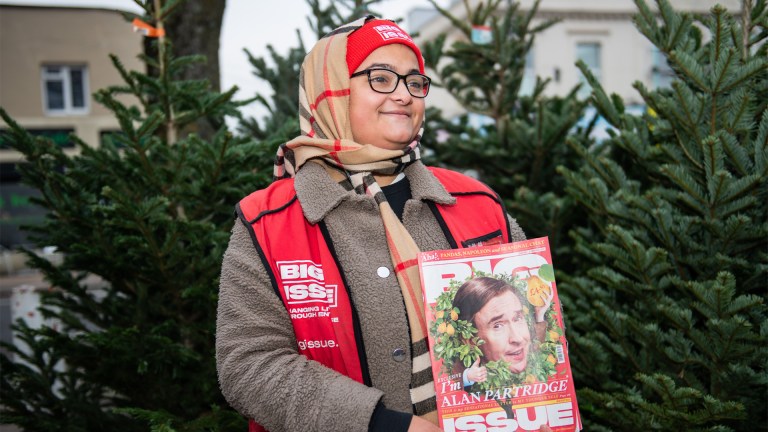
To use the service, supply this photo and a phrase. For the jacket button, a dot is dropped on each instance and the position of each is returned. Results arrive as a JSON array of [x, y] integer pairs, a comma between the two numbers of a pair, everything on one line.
[[382, 272], [398, 354]]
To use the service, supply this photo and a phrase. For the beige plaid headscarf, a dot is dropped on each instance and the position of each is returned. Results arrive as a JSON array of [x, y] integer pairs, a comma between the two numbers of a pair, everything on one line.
[[327, 138]]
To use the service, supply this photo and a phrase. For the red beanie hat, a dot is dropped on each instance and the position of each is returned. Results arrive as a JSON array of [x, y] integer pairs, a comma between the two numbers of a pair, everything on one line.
[[375, 34]]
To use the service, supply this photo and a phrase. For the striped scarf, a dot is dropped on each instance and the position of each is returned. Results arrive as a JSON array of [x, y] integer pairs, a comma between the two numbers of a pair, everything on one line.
[[326, 138]]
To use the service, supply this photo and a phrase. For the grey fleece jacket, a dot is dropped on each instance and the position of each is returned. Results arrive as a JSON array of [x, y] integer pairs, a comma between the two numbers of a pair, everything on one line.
[[261, 373]]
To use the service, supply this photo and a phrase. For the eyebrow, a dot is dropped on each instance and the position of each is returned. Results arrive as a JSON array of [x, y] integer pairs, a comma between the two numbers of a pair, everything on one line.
[[501, 315], [494, 319], [389, 67]]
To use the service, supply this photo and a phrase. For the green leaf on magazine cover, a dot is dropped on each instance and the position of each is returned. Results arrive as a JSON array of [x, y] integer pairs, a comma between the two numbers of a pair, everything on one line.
[[547, 272]]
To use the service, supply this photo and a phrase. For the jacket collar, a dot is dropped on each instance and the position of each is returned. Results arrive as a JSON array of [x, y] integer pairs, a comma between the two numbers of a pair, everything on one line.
[[318, 194]]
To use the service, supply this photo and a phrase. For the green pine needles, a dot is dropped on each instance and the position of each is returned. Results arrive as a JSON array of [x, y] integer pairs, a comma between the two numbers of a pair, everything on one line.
[[513, 136], [142, 222], [668, 313]]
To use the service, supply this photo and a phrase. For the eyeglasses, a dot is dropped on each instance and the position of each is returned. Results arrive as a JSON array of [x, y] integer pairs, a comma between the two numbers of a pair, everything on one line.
[[386, 81]]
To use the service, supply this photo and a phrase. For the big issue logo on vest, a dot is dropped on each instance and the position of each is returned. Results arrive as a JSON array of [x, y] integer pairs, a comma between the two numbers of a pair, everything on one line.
[[305, 275], [311, 301]]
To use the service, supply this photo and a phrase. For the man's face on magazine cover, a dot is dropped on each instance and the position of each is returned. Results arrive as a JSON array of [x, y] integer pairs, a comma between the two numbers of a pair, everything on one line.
[[502, 325]]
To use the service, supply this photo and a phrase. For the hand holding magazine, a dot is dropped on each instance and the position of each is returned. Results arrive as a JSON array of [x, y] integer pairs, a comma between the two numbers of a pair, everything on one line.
[[497, 341]]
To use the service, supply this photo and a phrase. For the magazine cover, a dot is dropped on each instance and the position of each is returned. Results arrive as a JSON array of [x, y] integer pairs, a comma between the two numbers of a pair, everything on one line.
[[497, 340]]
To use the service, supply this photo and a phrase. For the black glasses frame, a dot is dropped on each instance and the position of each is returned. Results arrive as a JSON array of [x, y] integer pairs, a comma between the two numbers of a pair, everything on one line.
[[399, 78]]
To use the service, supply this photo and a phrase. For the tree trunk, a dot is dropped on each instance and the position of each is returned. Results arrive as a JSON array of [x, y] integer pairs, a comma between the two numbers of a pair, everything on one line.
[[195, 28]]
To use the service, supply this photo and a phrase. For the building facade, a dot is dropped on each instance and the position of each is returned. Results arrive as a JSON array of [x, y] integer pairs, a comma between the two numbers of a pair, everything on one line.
[[599, 32], [51, 61]]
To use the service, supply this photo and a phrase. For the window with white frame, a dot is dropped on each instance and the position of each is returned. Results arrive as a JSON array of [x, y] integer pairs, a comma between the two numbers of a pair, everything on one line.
[[589, 53], [65, 89]]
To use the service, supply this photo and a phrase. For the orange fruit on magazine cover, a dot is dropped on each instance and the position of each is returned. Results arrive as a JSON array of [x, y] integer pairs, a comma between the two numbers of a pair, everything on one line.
[[536, 286]]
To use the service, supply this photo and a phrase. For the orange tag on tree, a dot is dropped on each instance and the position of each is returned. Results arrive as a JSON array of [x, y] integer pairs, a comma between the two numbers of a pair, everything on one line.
[[148, 31]]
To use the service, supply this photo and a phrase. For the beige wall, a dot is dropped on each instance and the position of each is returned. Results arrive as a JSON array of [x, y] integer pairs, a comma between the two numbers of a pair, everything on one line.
[[625, 52], [625, 55], [33, 36]]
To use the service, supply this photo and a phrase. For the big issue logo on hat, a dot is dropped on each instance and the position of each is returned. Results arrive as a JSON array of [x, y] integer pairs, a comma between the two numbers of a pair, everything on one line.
[[375, 34]]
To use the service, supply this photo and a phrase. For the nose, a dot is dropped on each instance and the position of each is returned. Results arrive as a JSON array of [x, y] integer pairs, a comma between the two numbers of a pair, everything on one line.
[[401, 92], [515, 336]]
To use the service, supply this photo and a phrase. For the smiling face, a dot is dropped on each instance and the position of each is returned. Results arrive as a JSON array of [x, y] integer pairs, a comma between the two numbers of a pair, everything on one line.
[[502, 325], [390, 121]]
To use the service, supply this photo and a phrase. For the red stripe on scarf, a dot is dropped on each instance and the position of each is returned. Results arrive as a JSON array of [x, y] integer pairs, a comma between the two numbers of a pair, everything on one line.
[[312, 122], [327, 94], [404, 265], [336, 148]]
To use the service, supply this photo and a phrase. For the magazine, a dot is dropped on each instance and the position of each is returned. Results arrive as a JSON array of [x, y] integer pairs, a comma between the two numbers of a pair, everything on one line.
[[496, 338]]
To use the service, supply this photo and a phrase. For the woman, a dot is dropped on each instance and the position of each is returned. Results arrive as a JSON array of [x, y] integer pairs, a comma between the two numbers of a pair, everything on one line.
[[320, 321]]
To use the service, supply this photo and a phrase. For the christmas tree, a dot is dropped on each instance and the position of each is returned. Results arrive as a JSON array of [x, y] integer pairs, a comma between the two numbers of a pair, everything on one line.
[[668, 320], [142, 223], [520, 142]]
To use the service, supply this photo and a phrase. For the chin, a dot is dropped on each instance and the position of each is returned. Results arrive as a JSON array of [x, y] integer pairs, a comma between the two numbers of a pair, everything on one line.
[[392, 145], [402, 139], [517, 367]]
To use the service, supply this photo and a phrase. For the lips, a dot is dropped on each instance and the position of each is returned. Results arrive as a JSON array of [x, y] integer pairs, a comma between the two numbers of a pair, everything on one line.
[[515, 356], [397, 113]]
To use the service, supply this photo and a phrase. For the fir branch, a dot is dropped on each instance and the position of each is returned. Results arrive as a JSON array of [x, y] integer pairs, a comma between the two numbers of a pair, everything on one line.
[[689, 120], [748, 71], [690, 69], [461, 25], [760, 146], [683, 179], [713, 156]]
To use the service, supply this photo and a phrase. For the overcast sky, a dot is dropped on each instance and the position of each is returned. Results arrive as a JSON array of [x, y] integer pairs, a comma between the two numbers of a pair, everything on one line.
[[251, 24]]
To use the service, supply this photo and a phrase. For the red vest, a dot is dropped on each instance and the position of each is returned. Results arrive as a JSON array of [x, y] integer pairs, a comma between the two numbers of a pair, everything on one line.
[[305, 273]]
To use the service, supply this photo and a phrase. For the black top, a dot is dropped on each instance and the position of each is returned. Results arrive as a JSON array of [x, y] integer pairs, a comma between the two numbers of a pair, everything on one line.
[[397, 194]]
